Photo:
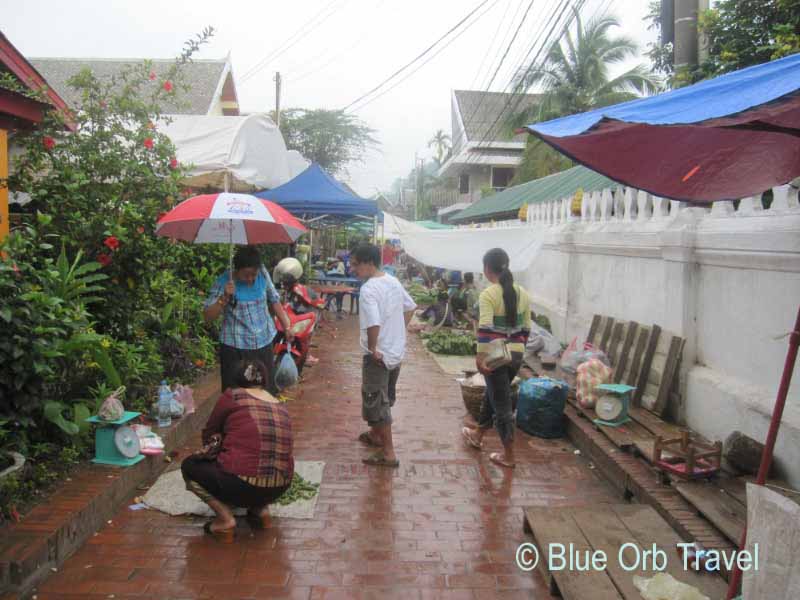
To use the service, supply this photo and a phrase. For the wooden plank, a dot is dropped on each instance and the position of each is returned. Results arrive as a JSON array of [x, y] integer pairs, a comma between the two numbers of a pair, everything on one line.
[[624, 436], [727, 514], [605, 531], [613, 345], [647, 527], [619, 369], [631, 376], [654, 424], [673, 358], [647, 359], [606, 334], [556, 526], [594, 328]]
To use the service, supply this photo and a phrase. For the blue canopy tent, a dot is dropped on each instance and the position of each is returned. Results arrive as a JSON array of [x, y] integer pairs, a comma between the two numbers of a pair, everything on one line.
[[726, 138], [314, 194], [721, 139]]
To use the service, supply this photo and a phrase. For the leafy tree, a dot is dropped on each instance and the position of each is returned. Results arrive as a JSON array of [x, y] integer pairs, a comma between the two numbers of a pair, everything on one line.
[[441, 142], [739, 34], [331, 138], [575, 75], [742, 33], [575, 78]]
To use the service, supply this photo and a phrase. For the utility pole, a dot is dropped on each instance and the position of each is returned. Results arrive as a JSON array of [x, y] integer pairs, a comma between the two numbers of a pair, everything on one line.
[[416, 187], [277, 99], [689, 48]]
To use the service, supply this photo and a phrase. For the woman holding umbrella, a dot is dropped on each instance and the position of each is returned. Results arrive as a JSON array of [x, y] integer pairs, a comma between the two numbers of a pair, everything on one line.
[[244, 298]]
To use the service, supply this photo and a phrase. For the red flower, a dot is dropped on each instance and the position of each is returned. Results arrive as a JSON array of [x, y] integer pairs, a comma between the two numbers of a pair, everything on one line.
[[168, 86], [173, 163], [148, 143], [140, 229], [48, 142], [152, 75], [111, 243], [104, 259]]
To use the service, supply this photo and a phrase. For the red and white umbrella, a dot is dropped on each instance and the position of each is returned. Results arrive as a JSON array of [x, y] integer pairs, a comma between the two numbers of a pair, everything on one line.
[[228, 218]]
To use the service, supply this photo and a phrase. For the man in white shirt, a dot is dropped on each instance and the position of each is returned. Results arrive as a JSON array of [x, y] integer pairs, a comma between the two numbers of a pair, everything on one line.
[[385, 312]]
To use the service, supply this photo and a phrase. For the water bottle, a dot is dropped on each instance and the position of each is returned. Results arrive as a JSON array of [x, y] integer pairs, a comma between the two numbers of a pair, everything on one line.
[[164, 405]]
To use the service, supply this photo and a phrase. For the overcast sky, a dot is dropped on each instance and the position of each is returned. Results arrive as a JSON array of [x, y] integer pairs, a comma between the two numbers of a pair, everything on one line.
[[350, 48]]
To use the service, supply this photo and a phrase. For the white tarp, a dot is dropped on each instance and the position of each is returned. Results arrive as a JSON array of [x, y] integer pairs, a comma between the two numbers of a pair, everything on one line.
[[463, 249], [394, 226], [250, 149], [297, 163]]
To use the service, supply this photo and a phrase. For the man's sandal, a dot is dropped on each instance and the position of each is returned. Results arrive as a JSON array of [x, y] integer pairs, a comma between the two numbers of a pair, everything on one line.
[[379, 460], [366, 438]]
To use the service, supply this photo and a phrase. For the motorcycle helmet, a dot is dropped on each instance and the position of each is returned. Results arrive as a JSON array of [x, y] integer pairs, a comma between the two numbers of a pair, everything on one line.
[[289, 269]]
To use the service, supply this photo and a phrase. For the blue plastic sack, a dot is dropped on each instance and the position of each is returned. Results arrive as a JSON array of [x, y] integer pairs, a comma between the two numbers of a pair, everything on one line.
[[540, 408], [286, 374]]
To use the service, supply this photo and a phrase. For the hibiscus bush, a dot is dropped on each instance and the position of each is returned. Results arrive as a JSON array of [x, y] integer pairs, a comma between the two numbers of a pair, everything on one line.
[[90, 298]]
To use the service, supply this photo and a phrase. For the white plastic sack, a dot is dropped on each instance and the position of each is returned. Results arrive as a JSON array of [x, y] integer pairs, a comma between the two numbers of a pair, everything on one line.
[[542, 340]]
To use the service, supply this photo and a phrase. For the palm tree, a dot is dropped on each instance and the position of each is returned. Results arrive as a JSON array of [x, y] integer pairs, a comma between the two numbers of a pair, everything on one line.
[[440, 141], [575, 74]]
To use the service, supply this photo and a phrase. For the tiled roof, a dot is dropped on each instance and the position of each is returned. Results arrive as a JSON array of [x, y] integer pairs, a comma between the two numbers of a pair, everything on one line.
[[480, 110], [552, 187], [202, 75]]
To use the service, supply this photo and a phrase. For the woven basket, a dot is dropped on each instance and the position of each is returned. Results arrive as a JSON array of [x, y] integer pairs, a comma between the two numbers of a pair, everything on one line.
[[473, 398]]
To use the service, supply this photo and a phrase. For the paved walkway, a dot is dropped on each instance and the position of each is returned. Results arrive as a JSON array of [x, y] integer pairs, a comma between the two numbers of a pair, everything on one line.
[[445, 525]]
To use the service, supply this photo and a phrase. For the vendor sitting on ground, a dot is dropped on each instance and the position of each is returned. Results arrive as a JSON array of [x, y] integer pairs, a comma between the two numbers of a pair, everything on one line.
[[439, 312], [254, 465], [465, 301]]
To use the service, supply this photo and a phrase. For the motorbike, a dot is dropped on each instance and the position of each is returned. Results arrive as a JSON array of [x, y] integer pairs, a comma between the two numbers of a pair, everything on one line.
[[302, 308]]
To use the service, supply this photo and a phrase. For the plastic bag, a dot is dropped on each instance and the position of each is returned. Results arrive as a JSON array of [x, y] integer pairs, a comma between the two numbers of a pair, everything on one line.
[[112, 409], [286, 374], [591, 374], [185, 396], [542, 340], [540, 408], [573, 357]]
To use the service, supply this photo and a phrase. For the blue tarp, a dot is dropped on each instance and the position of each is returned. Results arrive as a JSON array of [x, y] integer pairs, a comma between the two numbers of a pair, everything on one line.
[[314, 193], [721, 139]]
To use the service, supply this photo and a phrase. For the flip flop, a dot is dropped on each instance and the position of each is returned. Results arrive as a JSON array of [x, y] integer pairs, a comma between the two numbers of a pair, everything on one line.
[[366, 438], [225, 536], [379, 460], [466, 433], [497, 459]]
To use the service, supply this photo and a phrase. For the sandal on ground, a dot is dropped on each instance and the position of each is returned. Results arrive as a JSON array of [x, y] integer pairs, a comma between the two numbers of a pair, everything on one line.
[[466, 433], [222, 535], [258, 521], [379, 460], [366, 438], [498, 459]]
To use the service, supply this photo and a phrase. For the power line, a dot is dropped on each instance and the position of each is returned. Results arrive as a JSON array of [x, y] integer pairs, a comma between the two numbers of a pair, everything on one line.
[[361, 39], [421, 55], [429, 59], [296, 37], [494, 38], [517, 94], [468, 120]]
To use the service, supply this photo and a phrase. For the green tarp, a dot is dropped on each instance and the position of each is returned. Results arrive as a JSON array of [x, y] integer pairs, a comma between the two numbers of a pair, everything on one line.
[[552, 187]]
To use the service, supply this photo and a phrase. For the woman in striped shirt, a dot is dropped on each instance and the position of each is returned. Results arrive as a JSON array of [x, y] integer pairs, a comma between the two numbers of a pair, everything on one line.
[[254, 465], [505, 313]]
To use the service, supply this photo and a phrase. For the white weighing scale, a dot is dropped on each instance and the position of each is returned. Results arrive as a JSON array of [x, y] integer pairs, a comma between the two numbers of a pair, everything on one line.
[[613, 405]]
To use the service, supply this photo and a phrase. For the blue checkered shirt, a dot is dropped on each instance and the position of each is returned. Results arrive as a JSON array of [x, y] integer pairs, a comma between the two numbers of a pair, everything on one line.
[[248, 325]]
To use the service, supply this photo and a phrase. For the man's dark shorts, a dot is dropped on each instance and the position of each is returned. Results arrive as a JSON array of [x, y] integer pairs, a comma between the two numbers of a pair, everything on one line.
[[378, 391]]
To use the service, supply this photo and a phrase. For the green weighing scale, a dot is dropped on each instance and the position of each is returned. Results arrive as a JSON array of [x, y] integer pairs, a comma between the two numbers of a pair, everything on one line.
[[115, 443], [612, 406]]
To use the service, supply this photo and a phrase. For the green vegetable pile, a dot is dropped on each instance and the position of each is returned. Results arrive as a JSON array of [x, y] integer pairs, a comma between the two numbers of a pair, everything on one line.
[[299, 490], [447, 342], [422, 295]]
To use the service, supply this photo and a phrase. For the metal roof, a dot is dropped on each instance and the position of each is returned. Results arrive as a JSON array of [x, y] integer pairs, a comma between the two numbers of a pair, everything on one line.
[[552, 187], [480, 110], [202, 75]]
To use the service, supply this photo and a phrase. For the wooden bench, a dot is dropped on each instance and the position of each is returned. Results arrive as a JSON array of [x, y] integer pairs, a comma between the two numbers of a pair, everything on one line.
[[607, 528]]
